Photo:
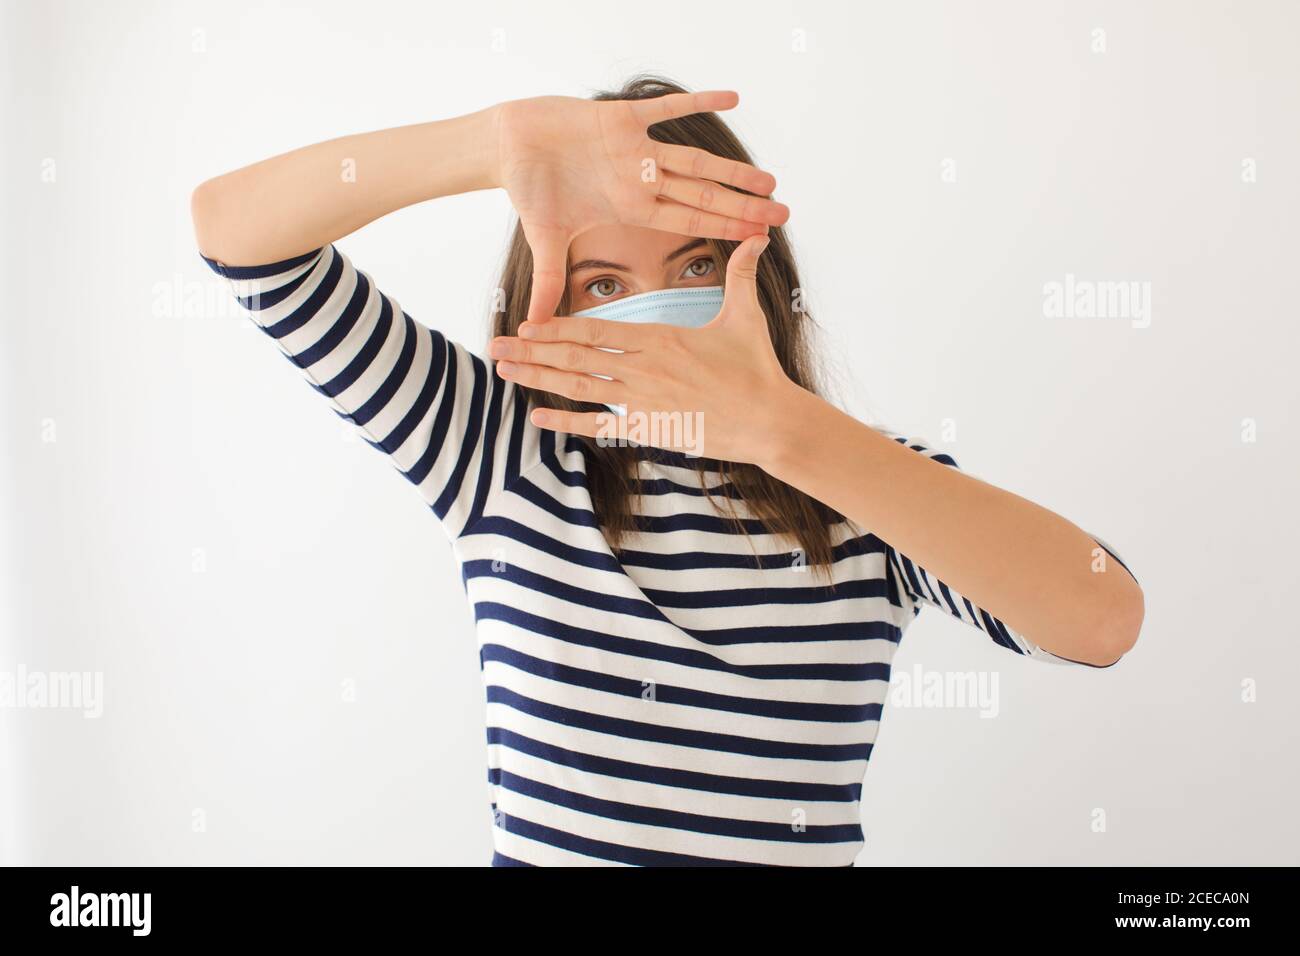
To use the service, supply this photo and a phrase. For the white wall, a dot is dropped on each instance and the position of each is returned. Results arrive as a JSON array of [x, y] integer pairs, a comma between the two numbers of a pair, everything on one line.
[[182, 515]]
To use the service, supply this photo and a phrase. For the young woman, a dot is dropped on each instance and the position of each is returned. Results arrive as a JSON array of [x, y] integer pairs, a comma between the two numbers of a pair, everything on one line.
[[686, 649]]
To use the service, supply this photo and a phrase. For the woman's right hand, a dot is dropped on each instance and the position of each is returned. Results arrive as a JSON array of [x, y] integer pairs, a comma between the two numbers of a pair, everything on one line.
[[571, 164]]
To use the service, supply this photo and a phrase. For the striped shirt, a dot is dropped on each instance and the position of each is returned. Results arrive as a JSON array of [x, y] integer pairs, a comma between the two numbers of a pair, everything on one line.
[[683, 703]]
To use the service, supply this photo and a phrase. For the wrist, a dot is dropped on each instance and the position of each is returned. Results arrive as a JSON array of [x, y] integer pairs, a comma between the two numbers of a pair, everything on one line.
[[480, 139], [793, 415], [446, 157], [490, 121]]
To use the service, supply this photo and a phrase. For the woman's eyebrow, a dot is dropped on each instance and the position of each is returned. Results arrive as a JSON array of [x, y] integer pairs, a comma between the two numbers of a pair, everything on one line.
[[606, 264], [597, 264], [693, 244]]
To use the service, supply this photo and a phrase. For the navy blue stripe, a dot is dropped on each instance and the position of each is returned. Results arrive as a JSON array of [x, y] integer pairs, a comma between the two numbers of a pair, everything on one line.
[[514, 457], [698, 560], [266, 298], [670, 561], [513, 530], [313, 304], [671, 777], [570, 479], [419, 409], [874, 630], [687, 657], [941, 457], [342, 326], [394, 380], [500, 859], [602, 850], [685, 696], [486, 469], [748, 597], [677, 736], [366, 357], [678, 820], [583, 517], [995, 630], [947, 597], [471, 439], [659, 487], [262, 271], [647, 610], [442, 420]]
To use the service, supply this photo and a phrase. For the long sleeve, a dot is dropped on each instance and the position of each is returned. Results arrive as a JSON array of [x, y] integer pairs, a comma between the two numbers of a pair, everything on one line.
[[432, 407], [914, 587]]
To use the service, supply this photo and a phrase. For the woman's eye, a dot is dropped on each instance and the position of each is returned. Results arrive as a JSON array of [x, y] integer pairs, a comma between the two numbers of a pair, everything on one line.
[[603, 288], [698, 268]]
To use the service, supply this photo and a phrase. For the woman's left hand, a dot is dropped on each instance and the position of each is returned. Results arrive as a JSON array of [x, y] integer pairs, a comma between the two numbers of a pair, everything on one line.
[[717, 391]]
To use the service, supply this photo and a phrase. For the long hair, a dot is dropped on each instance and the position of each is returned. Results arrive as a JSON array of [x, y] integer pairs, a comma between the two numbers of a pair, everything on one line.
[[782, 510]]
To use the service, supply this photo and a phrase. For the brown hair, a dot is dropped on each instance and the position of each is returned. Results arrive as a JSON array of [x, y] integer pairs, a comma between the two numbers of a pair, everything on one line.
[[782, 510]]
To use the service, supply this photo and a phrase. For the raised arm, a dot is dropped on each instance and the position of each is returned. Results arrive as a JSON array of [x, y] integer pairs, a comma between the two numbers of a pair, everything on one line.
[[1032, 580], [302, 200], [568, 165]]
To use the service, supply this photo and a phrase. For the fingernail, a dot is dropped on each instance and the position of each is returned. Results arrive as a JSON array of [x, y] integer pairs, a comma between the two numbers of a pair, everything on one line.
[[505, 368], [499, 348], [527, 331], [540, 417]]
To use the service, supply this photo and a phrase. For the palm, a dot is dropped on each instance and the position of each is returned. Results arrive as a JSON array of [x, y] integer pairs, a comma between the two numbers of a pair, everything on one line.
[[569, 165]]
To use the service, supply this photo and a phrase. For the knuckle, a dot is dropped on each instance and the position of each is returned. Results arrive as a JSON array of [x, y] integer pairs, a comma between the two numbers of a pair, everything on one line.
[[573, 356]]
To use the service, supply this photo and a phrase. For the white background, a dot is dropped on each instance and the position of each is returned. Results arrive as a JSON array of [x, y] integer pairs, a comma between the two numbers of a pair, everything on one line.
[[201, 532]]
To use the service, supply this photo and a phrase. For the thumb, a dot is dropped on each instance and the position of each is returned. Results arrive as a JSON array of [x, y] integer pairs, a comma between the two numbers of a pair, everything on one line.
[[742, 273], [550, 248]]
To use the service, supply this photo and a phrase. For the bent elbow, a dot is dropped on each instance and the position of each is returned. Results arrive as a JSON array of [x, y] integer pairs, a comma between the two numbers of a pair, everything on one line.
[[1116, 632], [205, 206]]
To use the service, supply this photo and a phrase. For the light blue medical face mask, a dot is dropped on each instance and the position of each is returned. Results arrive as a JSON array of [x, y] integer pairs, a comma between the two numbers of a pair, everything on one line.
[[688, 308]]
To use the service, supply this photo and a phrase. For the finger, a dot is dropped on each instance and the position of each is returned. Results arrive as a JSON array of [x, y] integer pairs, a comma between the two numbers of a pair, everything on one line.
[[701, 164], [550, 248], [677, 105], [587, 330], [703, 194], [591, 424], [670, 216], [578, 386], [566, 356], [742, 274]]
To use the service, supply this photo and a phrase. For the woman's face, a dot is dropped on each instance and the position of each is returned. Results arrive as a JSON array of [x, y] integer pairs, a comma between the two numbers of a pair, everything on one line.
[[611, 262]]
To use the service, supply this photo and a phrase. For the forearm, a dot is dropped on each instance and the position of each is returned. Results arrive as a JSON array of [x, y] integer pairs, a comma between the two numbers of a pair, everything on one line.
[[1024, 564], [301, 200]]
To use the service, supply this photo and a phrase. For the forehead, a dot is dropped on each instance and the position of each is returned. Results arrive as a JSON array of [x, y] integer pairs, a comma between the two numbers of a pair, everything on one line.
[[633, 246]]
